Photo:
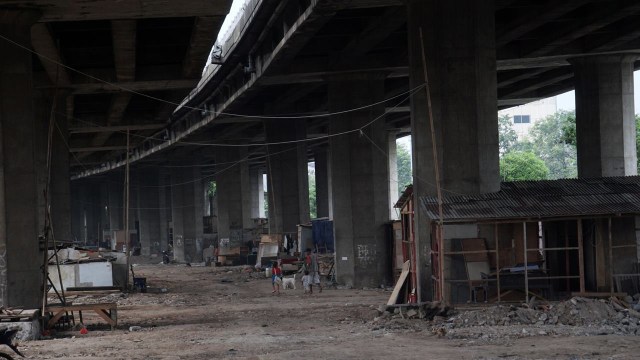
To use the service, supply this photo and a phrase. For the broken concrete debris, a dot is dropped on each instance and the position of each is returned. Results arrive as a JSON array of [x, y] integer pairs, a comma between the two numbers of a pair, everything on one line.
[[577, 316]]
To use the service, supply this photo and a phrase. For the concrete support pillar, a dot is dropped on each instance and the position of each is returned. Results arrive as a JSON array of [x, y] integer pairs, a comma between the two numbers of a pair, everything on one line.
[[187, 199], [322, 182], [359, 182], [20, 256], [287, 176], [59, 191], [393, 175], [115, 202], [605, 117], [164, 208], [231, 197], [459, 41], [257, 193], [148, 212]]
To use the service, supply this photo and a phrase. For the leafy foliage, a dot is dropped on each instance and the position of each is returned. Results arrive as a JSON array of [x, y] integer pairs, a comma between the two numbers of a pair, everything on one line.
[[522, 165], [313, 209], [638, 139], [405, 173], [211, 190], [553, 140], [508, 139]]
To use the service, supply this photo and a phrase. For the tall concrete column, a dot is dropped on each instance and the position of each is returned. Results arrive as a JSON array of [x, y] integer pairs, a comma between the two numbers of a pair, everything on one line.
[[231, 200], [322, 182], [58, 176], [359, 182], [20, 256], [287, 176], [115, 202], [605, 117], [60, 192], [257, 194], [187, 199], [459, 41], [149, 212], [164, 208]]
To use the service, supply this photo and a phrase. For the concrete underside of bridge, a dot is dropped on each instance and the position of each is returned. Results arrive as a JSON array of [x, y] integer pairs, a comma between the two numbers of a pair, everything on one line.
[[63, 69], [313, 79]]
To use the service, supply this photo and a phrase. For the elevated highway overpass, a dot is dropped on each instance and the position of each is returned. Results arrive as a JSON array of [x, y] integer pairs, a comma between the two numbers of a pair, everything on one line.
[[97, 61], [285, 77]]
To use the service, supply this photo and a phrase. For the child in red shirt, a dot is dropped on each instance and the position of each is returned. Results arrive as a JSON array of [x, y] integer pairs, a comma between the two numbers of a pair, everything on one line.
[[276, 278]]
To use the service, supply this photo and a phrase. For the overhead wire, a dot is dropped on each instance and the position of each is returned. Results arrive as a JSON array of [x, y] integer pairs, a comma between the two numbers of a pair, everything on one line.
[[151, 97], [310, 116]]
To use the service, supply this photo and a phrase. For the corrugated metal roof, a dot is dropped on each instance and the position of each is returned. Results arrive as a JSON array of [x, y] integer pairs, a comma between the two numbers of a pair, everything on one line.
[[542, 199]]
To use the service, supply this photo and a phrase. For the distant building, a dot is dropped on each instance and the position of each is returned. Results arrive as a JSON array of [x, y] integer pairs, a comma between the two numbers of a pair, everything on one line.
[[523, 117]]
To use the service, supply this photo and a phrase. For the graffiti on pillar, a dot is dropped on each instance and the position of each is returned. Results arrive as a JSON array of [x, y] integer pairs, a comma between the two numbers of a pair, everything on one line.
[[366, 253], [3, 276]]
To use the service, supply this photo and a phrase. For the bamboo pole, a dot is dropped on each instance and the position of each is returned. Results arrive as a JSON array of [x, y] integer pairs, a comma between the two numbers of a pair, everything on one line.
[[611, 266], [526, 262], [495, 235]]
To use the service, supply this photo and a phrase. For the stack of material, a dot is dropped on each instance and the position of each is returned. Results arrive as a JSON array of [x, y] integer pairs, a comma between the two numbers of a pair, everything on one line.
[[269, 248], [81, 268]]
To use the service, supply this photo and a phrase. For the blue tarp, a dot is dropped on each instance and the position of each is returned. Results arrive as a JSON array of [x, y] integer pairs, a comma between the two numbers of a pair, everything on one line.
[[322, 234]]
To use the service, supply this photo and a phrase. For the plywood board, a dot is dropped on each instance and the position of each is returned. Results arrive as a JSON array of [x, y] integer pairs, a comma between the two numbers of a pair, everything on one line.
[[396, 290]]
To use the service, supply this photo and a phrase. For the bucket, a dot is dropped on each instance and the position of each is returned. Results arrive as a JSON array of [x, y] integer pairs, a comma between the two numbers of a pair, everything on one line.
[[267, 272]]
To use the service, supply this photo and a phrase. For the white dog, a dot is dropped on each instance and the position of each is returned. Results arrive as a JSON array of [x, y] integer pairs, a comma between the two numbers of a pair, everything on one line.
[[289, 282]]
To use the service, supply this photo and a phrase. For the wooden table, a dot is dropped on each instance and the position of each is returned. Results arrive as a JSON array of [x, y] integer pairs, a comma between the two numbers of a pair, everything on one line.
[[107, 311]]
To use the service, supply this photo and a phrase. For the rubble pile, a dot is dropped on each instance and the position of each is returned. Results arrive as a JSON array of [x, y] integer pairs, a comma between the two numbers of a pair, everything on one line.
[[577, 311], [578, 316], [575, 317]]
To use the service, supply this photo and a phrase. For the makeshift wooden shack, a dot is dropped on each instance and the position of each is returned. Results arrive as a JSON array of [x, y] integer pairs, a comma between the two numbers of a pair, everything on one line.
[[551, 239], [403, 240]]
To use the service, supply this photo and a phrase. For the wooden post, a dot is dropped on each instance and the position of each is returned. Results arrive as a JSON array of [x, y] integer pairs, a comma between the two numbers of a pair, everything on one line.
[[526, 262], [567, 258], [581, 256], [611, 269], [495, 235]]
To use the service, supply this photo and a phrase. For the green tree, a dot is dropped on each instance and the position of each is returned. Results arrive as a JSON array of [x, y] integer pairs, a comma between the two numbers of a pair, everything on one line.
[[211, 190], [638, 139], [553, 141], [520, 165], [313, 209], [508, 138], [405, 173]]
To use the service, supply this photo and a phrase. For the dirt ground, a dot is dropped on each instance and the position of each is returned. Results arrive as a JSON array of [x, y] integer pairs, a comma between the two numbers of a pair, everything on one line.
[[227, 313]]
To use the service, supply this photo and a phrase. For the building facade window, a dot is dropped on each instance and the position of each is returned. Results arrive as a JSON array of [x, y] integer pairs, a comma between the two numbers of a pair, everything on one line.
[[521, 119]]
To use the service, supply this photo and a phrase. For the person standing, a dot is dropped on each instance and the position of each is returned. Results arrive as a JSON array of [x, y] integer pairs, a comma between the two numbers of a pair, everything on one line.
[[312, 266]]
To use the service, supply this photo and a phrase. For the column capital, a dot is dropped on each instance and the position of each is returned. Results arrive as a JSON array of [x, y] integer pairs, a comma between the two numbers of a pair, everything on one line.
[[358, 76]]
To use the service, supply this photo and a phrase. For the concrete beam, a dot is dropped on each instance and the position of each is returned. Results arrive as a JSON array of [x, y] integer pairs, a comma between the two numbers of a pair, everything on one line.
[[97, 148], [596, 21], [137, 86], [548, 78], [123, 33], [75, 10], [110, 129], [535, 19], [47, 49], [202, 39]]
